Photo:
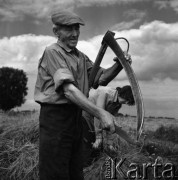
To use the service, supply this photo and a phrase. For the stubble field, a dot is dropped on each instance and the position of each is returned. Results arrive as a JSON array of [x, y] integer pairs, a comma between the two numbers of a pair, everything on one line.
[[19, 138]]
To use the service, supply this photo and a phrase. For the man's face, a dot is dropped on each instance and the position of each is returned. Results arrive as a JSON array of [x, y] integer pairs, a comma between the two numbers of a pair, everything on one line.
[[69, 35], [122, 100]]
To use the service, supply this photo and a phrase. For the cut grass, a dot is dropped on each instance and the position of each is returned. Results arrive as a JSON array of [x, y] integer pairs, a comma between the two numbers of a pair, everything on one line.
[[19, 148], [19, 143]]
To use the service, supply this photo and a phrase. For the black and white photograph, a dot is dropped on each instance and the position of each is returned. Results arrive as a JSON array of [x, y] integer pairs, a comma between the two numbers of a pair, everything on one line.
[[88, 89]]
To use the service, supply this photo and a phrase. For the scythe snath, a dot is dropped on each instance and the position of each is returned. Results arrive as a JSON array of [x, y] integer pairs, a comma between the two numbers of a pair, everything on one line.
[[108, 40]]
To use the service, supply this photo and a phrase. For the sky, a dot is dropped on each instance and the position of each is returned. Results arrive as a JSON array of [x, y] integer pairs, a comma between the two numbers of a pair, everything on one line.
[[150, 26]]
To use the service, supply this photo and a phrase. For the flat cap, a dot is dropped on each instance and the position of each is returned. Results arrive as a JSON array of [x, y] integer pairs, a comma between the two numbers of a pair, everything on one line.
[[65, 17]]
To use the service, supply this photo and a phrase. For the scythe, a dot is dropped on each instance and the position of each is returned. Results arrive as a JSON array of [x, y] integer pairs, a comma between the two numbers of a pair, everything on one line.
[[108, 40]]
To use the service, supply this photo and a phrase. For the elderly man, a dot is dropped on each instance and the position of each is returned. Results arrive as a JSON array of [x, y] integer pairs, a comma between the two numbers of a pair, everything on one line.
[[62, 90]]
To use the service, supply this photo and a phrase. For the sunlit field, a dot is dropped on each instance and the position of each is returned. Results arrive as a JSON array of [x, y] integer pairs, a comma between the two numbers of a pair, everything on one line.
[[19, 138]]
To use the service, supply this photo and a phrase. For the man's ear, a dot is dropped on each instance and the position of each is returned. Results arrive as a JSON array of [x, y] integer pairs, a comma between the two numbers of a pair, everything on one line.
[[55, 31]]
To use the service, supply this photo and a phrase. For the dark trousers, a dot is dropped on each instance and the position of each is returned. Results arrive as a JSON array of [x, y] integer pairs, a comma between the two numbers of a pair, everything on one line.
[[60, 152]]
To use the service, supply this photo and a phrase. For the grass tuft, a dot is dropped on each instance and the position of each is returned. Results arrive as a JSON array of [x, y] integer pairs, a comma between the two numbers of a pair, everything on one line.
[[169, 133]]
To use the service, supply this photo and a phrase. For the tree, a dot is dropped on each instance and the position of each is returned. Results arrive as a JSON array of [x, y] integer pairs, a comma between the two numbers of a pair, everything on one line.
[[13, 88]]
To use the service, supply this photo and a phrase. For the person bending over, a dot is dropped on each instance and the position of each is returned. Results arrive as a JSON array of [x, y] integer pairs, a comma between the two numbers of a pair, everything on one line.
[[111, 100]]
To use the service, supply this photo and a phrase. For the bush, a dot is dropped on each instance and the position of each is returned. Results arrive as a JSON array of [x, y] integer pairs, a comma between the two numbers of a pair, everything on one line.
[[13, 88], [167, 133]]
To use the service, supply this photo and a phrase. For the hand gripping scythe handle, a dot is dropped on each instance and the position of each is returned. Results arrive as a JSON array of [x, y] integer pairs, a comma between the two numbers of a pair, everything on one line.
[[109, 40]]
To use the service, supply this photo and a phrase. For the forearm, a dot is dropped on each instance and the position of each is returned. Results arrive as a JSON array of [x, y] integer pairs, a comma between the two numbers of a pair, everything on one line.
[[110, 73], [78, 98]]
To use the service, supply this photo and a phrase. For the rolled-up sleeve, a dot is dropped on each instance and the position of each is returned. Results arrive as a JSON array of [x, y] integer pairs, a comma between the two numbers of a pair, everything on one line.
[[57, 68], [61, 76]]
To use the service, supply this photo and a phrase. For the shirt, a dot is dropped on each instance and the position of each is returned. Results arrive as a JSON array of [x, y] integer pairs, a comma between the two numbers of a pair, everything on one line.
[[110, 94], [58, 65]]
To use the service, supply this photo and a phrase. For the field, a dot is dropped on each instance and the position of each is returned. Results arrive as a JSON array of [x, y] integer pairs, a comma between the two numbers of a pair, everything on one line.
[[19, 138]]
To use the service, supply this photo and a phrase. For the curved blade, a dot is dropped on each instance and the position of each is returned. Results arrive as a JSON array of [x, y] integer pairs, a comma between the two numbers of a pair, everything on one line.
[[112, 43]]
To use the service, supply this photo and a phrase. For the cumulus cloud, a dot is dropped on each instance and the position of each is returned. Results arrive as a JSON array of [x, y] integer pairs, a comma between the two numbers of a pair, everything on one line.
[[23, 51], [153, 48]]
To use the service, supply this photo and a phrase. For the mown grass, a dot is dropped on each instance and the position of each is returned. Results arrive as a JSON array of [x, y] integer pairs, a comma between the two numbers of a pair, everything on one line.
[[19, 146], [19, 142]]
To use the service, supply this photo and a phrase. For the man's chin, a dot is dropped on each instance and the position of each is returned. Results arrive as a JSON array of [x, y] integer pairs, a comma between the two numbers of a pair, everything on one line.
[[72, 45]]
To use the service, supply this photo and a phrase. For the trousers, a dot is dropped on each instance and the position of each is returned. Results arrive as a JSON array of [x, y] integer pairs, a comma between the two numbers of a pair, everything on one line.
[[61, 140]]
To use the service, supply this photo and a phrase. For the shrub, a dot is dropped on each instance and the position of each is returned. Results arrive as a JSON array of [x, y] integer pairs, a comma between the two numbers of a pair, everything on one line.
[[167, 133], [13, 88]]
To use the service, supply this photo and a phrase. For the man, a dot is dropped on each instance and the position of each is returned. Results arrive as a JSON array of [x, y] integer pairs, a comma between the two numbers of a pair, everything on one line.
[[62, 90], [111, 100]]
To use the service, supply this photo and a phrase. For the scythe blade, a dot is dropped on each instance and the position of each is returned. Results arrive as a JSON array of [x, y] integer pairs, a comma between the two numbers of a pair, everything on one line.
[[112, 43]]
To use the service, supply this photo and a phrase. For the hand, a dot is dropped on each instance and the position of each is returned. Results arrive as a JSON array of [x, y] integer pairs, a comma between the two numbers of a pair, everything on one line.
[[97, 143], [127, 57], [107, 121]]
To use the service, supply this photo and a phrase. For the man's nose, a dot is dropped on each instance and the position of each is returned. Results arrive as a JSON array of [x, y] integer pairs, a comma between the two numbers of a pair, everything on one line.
[[75, 32]]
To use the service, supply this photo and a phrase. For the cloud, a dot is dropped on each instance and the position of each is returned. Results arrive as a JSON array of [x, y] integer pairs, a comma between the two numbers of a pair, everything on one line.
[[125, 25], [11, 10], [23, 51], [153, 48], [18, 9], [134, 13], [134, 17], [84, 3], [163, 4], [174, 5]]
